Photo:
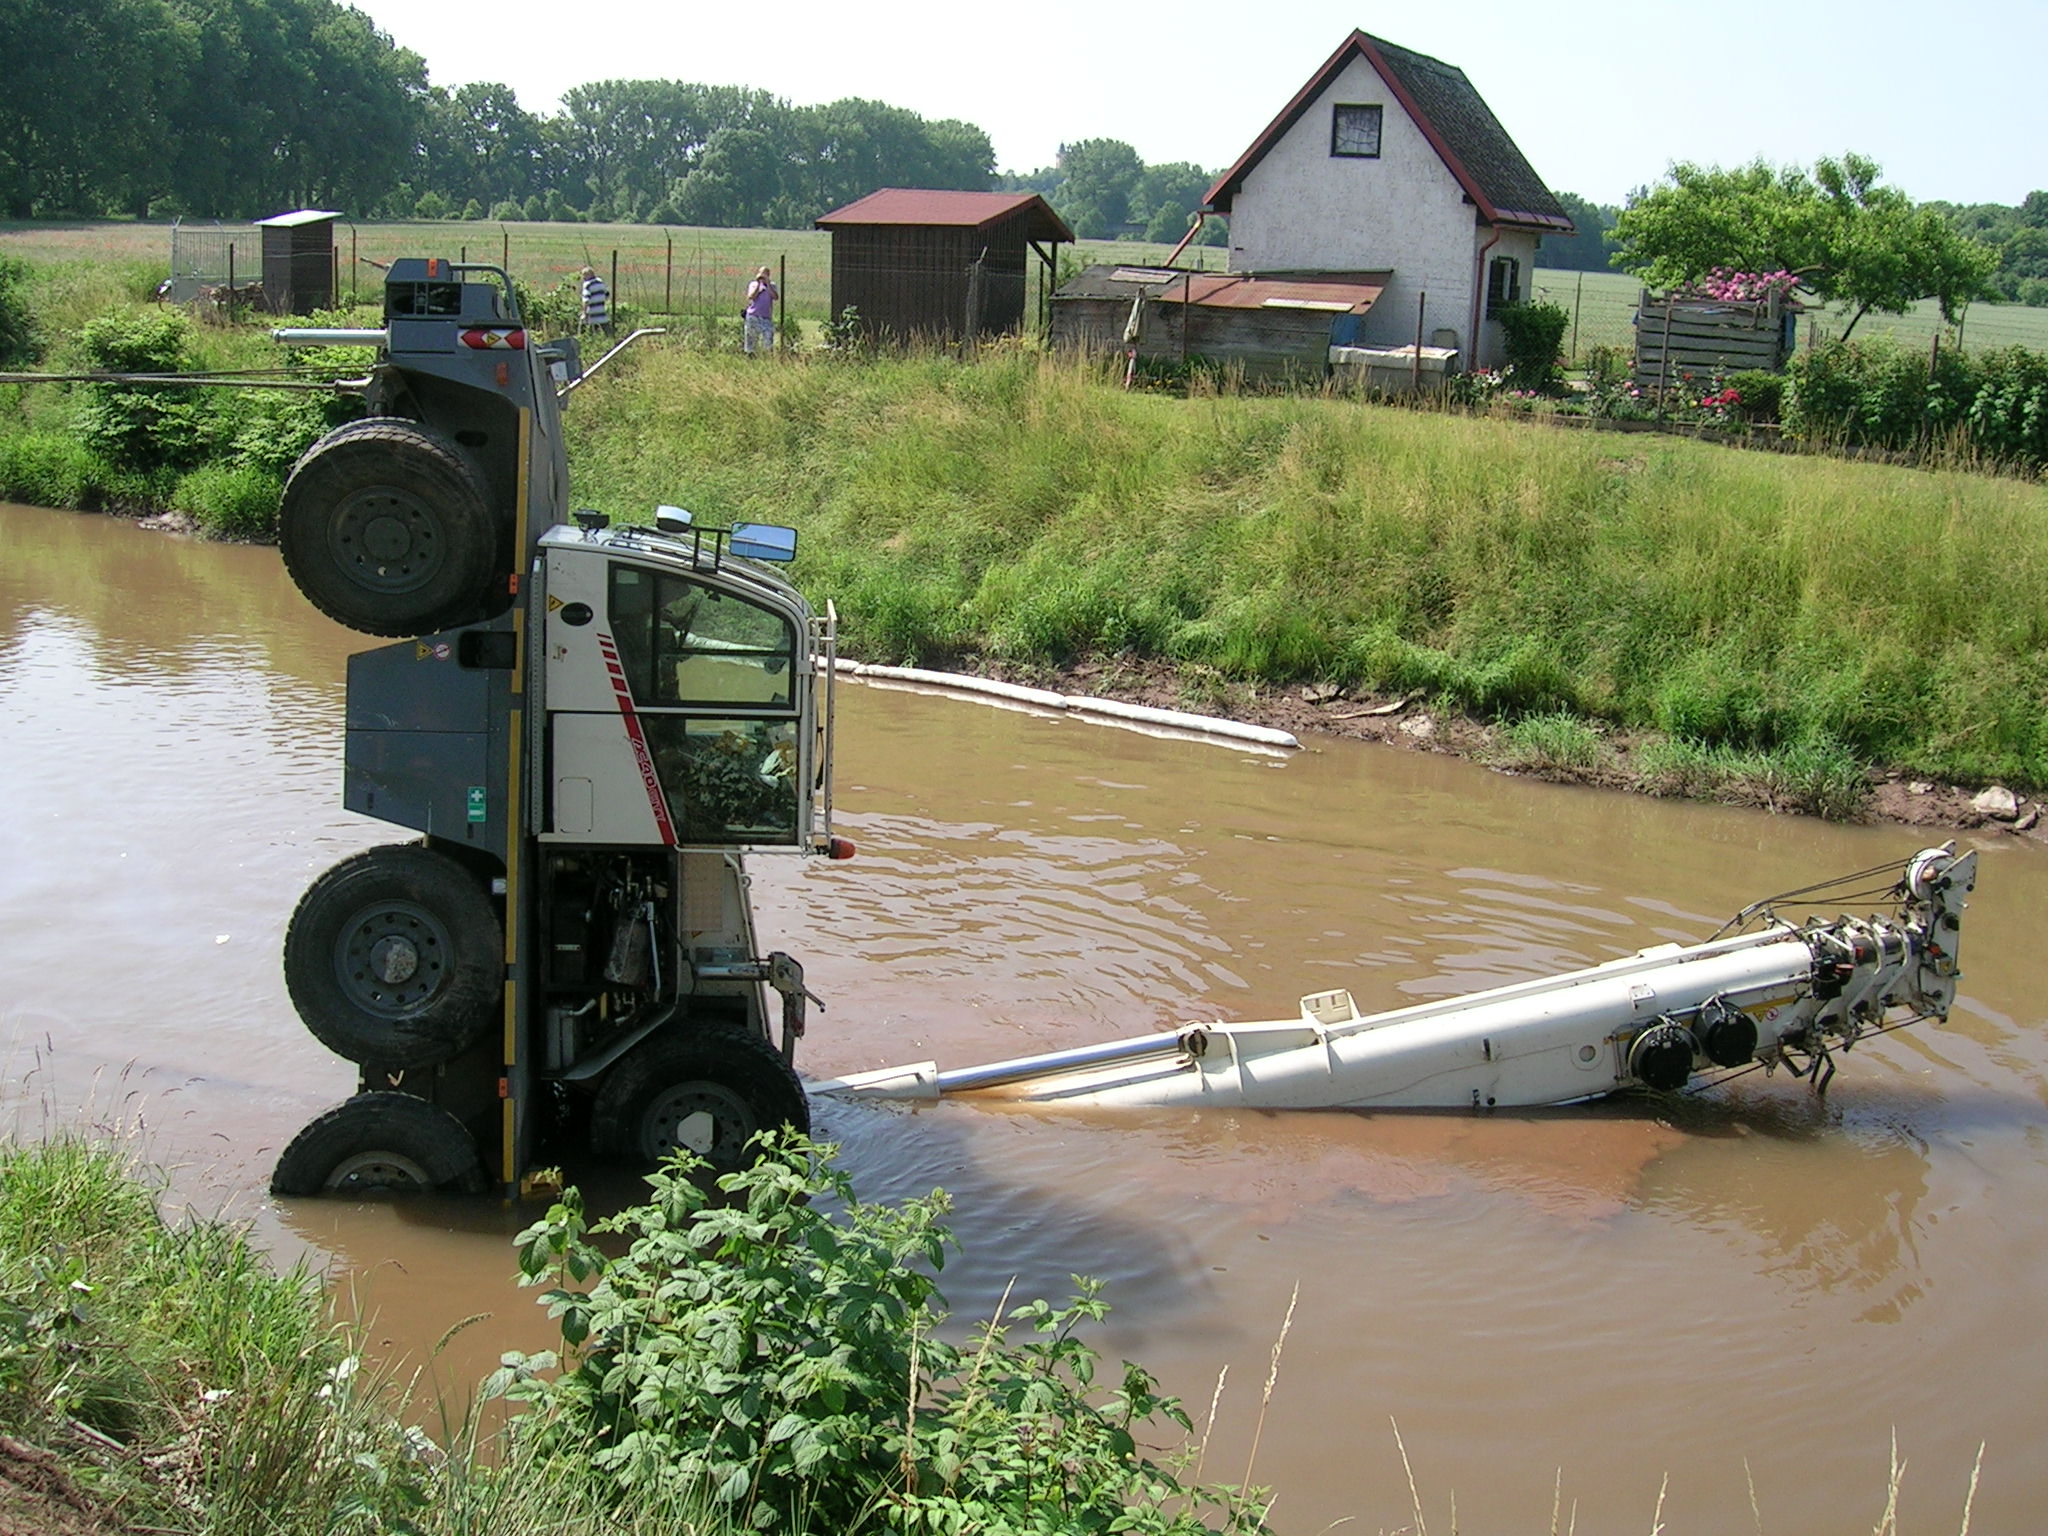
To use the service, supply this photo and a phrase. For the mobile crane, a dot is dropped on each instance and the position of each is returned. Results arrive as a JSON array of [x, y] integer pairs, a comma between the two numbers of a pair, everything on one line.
[[589, 726]]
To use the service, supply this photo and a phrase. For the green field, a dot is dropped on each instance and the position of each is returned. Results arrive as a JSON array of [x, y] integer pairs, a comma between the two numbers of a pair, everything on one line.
[[1603, 306], [683, 271]]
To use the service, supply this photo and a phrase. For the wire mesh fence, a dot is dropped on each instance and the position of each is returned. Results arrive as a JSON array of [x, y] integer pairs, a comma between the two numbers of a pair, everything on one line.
[[211, 258]]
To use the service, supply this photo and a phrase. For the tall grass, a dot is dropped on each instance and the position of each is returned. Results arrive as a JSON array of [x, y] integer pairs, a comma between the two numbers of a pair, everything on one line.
[[1026, 509]]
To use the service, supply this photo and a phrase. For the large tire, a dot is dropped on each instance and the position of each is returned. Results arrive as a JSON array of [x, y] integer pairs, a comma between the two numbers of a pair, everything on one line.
[[395, 958], [386, 527], [378, 1142], [708, 1089]]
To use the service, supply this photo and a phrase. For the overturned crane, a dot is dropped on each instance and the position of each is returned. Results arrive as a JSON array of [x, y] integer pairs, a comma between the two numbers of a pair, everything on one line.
[[1782, 994]]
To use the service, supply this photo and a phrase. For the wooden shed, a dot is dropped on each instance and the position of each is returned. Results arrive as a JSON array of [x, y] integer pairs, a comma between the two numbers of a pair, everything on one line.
[[1682, 336], [298, 261], [944, 265], [1267, 325]]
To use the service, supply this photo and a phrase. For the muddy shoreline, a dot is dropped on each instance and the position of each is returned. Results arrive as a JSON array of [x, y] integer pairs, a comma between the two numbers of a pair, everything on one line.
[[1410, 722]]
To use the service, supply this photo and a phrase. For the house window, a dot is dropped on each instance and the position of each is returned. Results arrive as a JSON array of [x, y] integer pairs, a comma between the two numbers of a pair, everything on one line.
[[1355, 132], [1503, 284]]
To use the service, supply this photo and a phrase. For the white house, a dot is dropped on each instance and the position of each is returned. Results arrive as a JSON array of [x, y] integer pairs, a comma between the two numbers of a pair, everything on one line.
[[1389, 161]]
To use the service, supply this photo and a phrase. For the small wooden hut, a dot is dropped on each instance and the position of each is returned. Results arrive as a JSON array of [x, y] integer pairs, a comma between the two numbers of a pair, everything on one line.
[[298, 261], [944, 265]]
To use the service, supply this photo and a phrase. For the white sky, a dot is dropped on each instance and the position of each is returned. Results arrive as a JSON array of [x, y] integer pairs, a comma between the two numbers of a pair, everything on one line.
[[1951, 100]]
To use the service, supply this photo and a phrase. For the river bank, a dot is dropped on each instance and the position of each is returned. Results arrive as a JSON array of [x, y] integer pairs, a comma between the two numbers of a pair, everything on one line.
[[1656, 613], [1558, 747]]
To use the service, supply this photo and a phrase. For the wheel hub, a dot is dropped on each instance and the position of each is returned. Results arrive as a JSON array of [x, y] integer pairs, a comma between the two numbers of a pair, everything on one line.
[[376, 1170], [706, 1118], [389, 542], [391, 959], [394, 960]]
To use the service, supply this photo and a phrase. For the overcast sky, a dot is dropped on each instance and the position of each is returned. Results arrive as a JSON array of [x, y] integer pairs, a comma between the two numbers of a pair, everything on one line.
[[1952, 100]]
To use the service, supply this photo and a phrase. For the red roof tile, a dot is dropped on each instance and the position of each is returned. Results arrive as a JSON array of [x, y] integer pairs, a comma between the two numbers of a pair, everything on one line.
[[970, 210]]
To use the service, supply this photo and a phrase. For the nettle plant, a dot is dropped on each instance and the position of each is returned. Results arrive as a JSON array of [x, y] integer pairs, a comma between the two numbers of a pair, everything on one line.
[[772, 1346]]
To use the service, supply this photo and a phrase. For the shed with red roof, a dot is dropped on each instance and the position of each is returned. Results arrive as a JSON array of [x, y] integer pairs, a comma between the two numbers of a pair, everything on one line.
[[940, 265]]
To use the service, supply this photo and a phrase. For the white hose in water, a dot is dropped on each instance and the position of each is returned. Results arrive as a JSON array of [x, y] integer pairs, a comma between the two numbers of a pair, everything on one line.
[[1111, 710]]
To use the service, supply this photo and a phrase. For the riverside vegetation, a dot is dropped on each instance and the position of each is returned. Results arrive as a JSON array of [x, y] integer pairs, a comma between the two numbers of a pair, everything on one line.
[[1762, 624], [771, 1359]]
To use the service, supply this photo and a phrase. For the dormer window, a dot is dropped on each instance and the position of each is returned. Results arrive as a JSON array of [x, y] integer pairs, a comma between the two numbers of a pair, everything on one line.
[[1355, 131]]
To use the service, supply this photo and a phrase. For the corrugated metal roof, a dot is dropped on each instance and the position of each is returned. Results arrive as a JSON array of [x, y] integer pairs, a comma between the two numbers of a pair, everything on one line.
[[968, 210], [302, 216], [1337, 292]]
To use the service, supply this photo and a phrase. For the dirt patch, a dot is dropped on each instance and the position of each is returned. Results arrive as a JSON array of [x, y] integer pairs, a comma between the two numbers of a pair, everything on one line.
[[1324, 710], [38, 1498]]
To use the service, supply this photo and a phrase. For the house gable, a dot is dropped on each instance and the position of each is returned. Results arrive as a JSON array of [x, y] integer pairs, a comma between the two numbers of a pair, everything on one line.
[[1458, 125]]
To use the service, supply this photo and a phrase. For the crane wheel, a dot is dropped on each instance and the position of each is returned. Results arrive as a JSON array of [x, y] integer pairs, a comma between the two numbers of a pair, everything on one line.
[[385, 527], [380, 1143], [395, 958], [704, 1089]]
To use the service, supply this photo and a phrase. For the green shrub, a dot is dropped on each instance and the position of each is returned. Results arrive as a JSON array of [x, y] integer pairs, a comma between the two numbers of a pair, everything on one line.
[[1609, 365], [2008, 415], [140, 426], [1883, 395], [778, 1349], [1762, 393], [230, 501], [1534, 335], [18, 339]]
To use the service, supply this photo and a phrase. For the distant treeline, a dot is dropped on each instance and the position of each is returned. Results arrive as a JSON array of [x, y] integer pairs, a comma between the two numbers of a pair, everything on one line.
[[243, 108]]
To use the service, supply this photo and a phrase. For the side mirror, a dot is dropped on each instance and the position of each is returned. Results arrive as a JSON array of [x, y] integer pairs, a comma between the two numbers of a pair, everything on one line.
[[763, 541]]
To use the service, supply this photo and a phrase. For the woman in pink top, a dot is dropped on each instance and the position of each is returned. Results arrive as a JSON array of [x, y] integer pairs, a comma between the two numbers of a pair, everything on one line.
[[760, 314]]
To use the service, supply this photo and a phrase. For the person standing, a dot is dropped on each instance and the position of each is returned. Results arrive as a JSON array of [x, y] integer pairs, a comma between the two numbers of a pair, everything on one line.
[[758, 318], [597, 301]]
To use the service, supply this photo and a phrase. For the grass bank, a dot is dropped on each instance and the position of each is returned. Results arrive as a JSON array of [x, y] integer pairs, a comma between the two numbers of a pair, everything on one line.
[[768, 1359], [1786, 614], [1781, 623]]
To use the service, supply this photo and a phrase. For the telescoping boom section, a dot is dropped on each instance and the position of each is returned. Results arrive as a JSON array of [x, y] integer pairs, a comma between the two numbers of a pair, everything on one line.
[[1783, 994]]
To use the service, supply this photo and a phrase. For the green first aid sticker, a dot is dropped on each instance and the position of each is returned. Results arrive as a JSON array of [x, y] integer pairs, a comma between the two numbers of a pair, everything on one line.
[[476, 802]]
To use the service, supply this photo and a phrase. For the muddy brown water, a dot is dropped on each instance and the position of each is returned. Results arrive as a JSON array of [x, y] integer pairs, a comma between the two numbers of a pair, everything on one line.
[[1764, 1287]]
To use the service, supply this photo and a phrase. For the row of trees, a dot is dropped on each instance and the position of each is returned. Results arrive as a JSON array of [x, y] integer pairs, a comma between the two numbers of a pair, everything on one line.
[[246, 107], [1105, 191], [672, 152], [2020, 236], [215, 106], [240, 108]]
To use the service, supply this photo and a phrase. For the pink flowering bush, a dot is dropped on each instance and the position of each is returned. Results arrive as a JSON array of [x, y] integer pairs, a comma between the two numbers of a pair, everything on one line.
[[1734, 287]]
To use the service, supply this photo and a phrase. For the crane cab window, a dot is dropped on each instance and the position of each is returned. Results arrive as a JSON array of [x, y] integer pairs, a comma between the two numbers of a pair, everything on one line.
[[684, 644]]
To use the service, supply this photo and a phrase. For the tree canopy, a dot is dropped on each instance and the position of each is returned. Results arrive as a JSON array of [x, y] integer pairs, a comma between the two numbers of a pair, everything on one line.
[[1847, 239]]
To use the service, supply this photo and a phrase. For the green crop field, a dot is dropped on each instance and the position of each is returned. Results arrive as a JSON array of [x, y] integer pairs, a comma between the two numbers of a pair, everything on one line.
[[1603, 304]]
